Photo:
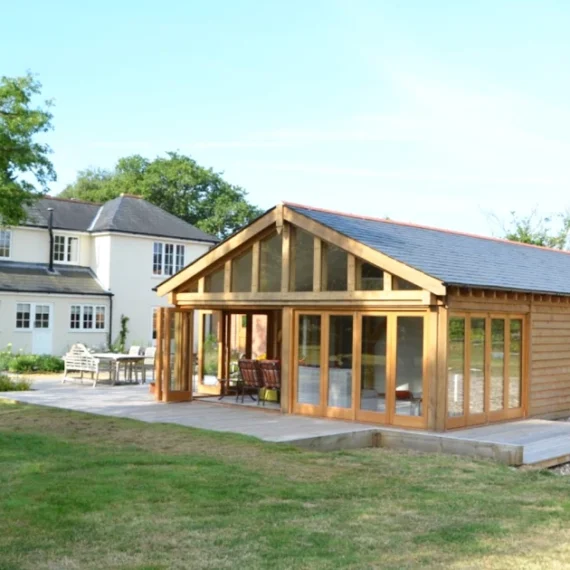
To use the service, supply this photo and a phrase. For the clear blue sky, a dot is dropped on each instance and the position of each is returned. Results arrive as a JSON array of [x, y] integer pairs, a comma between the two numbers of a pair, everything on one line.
[[424, 111]]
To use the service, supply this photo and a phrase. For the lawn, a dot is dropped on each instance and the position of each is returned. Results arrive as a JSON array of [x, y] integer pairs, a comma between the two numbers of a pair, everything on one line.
[[81, 492]]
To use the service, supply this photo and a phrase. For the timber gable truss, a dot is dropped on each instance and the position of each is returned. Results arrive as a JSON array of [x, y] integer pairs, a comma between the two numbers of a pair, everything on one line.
[[285, 258]]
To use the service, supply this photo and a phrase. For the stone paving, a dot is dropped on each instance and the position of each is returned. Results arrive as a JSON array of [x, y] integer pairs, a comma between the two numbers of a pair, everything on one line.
[[527, 442], [135, 402]]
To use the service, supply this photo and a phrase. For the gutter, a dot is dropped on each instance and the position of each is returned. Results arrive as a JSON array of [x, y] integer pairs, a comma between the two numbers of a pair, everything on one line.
[[110, 334], [44, 292]]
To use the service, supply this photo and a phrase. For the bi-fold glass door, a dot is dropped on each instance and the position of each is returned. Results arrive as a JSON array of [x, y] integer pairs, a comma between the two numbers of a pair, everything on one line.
[[363, 366], [485, 368], [392, 380]]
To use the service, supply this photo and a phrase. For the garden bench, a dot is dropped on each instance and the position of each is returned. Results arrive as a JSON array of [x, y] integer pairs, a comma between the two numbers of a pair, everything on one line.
[[79, 359]]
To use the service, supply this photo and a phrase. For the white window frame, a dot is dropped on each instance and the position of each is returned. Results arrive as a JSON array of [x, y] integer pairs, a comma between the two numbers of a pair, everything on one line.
[[3, 235], [43, 312], [30, 318], [94, 309], [68, 260], [174, 252]]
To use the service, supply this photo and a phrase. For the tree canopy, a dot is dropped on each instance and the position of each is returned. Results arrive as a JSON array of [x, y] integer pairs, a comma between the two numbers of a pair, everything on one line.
[[25, 169], [177, 184], [536, 229]]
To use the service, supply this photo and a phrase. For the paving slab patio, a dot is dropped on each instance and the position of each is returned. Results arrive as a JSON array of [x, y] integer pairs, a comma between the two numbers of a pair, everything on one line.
[[539, 443], [135, 402]]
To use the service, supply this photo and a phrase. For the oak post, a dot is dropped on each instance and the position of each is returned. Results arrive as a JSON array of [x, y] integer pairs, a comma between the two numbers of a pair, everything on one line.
[[285, 258], [286, 359]]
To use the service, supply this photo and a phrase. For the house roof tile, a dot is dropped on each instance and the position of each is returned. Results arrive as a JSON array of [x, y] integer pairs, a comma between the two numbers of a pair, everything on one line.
[[36, 278], [125, 214], [455, 258]]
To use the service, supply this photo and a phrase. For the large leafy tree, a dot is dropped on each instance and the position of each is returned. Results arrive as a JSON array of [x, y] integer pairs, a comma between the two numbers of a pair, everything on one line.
[[25, 169], [177, 184], [536, 229]]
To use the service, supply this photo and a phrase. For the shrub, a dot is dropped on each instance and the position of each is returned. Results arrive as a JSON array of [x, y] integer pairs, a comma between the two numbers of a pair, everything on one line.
[[9, 385], [23, 363], [6, 357], [120, 343], [29, 362], [48, 363]]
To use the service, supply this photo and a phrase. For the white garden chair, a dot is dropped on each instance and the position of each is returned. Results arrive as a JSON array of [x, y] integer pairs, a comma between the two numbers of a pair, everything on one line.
[[148, 363]]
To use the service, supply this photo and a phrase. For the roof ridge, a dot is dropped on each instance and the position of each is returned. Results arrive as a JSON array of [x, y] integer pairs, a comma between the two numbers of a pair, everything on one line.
[[423, 227], [127, 195], [72, 200]]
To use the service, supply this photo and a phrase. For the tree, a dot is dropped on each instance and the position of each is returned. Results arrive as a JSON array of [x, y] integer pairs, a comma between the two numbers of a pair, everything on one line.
[[536, 229], [25, 169], [175, 183]]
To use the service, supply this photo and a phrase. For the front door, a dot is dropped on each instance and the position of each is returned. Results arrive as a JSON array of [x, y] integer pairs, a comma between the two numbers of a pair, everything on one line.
[[42, 329]]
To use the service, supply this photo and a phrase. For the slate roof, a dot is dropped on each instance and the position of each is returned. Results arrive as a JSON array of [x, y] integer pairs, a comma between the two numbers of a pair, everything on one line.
[[35, 278], [456, 258], [67, 214], [125, 214]]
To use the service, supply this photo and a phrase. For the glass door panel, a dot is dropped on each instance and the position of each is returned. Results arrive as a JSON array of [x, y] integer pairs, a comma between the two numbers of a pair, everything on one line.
[[477, 367], [209, 352], [309, 360], [340, 361], [515, 363], [456, 368], [409, 366], [373, 367], [497, 400]]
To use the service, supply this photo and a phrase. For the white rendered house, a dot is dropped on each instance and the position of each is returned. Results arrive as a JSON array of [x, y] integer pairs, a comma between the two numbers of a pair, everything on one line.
[[105, 261]]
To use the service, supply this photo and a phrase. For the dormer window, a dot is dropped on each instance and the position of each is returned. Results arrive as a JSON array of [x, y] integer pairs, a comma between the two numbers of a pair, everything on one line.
[[5, 243], [65, 249]]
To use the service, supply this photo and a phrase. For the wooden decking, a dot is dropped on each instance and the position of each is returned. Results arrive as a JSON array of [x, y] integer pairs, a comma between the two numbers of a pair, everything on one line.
[[526, 443]]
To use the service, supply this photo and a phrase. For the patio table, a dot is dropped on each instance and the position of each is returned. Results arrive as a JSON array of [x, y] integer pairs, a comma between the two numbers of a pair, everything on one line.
[[116, 359]]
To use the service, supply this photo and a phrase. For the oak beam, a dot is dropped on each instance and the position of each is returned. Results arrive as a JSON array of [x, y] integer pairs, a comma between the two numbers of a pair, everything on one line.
[[323, 296], [286, 258], [287, 343], [228, 276], [158, 361], [255, 267], [441, 379], [351, 273], [166, 372], [317, 265]]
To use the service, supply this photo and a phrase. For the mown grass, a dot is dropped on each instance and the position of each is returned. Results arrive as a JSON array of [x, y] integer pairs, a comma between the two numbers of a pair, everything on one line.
[[81, 491]]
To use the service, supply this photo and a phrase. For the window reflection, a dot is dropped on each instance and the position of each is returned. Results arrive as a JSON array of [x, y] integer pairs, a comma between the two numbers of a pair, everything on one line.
[[456, 367], [309, 361], [409, 367], [340, 361], [373, 367]]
